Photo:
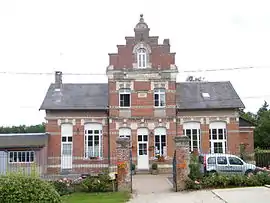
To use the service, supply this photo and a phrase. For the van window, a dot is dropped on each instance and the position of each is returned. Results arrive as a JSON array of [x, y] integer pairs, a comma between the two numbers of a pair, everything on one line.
[[211, 160], [235, 161], [222, 160]]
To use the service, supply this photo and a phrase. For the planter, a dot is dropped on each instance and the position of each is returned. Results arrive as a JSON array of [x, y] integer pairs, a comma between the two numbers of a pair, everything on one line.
[[154, 171]]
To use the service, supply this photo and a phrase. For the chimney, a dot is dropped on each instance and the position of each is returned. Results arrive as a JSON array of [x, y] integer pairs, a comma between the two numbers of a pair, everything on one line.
[[58, 79], [166, 42]]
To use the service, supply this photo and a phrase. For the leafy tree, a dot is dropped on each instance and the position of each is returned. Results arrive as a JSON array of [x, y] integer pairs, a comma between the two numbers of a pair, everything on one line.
[[24, 129]]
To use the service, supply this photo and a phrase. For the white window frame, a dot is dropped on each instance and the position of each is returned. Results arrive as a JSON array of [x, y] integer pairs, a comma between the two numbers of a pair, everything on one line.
[[11, 160], [125, 133], [124, 91], [160, 132], [218, 126], [161, 93], [142, 57], [193, 126], [93, 130]]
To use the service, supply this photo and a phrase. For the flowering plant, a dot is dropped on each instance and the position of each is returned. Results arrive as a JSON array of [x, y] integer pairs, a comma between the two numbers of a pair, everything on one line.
[[62, 186], [122, 165]]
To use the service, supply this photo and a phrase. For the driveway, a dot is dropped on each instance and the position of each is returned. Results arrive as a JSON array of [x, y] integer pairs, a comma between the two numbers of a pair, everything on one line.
[[157, 189]]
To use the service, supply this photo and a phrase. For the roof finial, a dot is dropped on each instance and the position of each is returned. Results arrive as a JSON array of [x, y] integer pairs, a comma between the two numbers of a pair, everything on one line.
[[141, 18]]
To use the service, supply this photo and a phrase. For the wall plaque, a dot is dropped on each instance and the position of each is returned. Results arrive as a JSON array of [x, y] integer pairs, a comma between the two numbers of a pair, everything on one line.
[[142, 95]]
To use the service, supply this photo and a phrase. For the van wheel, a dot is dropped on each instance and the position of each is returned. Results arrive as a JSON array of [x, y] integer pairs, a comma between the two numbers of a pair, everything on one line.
[[249, 173]]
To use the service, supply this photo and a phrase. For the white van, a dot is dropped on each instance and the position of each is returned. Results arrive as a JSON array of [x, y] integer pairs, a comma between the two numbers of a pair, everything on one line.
[[225, 164]]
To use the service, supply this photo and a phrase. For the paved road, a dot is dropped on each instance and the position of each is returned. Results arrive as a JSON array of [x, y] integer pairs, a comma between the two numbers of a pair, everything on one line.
[[157, 189]]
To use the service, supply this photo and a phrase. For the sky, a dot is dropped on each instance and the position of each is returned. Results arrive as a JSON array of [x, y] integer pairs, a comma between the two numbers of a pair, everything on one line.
[[75, 36]]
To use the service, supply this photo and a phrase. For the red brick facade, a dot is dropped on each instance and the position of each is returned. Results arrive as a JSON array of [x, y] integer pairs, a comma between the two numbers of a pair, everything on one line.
[[160, 72]]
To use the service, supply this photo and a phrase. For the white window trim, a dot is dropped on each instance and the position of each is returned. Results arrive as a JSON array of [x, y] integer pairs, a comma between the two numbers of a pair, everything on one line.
[[218, 126], [198, 130], [125, 133], [159, 92], [18, 162], [160, 131], [124, 91], [66, 135], [140, 56], [93, 127], [193, 126]]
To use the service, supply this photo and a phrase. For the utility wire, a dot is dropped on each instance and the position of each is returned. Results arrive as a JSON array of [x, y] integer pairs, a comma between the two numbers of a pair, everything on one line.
[[180, 71]]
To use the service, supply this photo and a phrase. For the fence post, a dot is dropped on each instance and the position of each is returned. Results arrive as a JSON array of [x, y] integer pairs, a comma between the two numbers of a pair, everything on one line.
[[123, 164], [182, 161]]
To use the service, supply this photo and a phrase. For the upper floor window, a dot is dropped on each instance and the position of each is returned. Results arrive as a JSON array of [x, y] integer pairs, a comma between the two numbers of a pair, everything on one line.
[[159, 97], [124, 97], [141, 57]]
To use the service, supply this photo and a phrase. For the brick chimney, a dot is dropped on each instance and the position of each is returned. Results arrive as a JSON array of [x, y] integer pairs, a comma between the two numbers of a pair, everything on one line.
[[58, 79]]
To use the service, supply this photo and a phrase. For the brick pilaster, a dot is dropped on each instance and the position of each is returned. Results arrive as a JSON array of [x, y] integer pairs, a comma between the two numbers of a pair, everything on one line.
[[182, 161], [123, 164]]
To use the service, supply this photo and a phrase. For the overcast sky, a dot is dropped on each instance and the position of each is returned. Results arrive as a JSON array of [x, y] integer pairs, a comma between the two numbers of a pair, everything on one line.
[[76, 37]]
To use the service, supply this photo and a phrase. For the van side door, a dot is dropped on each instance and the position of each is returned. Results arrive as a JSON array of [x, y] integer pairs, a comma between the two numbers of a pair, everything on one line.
[[236, 165]]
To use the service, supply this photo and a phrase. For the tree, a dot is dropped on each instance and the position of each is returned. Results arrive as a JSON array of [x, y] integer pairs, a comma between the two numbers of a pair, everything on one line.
[[193, 79], [24, 129]]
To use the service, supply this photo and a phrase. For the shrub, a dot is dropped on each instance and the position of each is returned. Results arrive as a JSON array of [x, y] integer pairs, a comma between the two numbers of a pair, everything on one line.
[[63, 186], [101, 183], [194, 168], [133, 167], [20, 188], [154, 166], [225, 181]]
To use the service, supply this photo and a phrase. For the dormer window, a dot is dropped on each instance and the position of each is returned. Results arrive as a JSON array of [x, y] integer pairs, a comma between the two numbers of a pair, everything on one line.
[[141, 58]]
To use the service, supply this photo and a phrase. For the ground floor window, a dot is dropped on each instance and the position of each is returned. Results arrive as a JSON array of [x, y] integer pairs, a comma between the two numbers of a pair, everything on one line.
[[21, 156], [125, 133], [218, 137], [93, 140], [160, 142], [192, 130]]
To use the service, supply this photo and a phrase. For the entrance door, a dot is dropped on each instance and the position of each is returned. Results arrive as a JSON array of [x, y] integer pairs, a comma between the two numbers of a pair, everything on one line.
[[66, 146], [143, 159]]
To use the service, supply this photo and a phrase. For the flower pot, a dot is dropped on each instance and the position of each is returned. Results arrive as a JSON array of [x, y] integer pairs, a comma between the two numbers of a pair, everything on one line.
[[154, 171]]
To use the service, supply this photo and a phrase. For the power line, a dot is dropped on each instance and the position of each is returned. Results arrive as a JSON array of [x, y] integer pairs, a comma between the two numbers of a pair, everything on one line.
[[86, 74]]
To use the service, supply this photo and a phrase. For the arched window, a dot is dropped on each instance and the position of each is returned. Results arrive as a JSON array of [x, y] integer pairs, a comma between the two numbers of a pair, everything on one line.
[[218, 137], [160, 142], [141, 58], [93, 140], [192, 130]]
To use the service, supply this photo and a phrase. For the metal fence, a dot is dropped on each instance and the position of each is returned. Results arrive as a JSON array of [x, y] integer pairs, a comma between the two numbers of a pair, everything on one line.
[[53, 167], [262, 157]]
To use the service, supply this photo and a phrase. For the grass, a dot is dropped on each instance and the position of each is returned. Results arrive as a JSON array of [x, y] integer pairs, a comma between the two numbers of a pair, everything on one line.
[[116, 197]]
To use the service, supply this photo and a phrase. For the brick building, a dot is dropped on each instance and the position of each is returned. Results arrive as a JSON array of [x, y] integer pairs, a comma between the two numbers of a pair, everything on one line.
[[142, 101]]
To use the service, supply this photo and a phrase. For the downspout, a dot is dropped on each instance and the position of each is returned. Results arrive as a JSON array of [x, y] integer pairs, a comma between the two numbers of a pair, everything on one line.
[[109, 137]]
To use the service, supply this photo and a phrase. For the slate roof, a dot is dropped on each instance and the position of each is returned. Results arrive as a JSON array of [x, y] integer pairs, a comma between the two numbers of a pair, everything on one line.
[[18, 140], [77, 96], [245, 123], [222, 95], [94, 96]]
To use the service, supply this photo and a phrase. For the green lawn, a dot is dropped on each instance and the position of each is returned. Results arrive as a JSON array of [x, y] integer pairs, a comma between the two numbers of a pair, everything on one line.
[[116, 197]]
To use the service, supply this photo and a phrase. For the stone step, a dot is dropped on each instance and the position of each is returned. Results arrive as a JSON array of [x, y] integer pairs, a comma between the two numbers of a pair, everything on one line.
[[143, 171]]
